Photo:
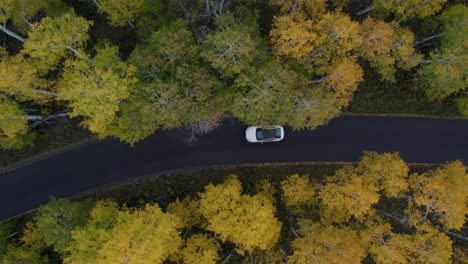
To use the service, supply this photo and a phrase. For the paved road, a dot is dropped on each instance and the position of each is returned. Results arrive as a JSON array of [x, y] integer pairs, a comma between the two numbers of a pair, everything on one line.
[[343, 139]]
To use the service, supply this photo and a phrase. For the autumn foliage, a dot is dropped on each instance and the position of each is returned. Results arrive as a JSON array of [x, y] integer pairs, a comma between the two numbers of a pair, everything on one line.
[[375, 208]]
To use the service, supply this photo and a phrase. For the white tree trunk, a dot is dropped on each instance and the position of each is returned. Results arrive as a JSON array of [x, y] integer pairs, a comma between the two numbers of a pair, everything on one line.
[[11, 33], [368, 9]]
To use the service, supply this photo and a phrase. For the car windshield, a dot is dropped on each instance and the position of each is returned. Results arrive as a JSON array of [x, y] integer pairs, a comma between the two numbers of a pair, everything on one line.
[[264, 134]]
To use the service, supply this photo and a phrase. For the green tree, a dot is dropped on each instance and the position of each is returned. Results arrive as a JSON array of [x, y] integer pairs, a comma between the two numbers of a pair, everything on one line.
[[120, 12], [346, 195], [410, 8], [143, 234], [248, 221], [88, 240], [50, 39], [229, 50], [55, 221], [326, 244], [443, 73], [23, 254], [94, 89], [313, 107], [265, 95], [387, 171], [174, 88], [462, 105], [5, 231], [304, 7], [13, 126], [441, 194]]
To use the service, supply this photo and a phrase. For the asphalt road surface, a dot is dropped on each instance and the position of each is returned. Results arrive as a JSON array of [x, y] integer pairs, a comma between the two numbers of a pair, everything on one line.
[[64, 174]]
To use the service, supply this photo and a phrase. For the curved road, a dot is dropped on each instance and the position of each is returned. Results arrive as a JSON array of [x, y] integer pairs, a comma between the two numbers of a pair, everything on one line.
[[418, 140]]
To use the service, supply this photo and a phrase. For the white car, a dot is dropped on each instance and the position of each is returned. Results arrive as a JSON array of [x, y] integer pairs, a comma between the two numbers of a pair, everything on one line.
[[255, 134]]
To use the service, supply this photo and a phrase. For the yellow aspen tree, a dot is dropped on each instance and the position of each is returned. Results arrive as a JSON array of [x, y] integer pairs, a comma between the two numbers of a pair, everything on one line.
[[293, 36], [387, 171], [346, 195], [441, 194], [377, 232], [247, 221], [342, 79], [315, 44], [200, 249], [50, 39], [187, 211], [377, 40], [426, 245], [13, 125], [298, 190], [144, 235], [338, 36], [19, 78], [89, 239], [94, 89], [321, 243]]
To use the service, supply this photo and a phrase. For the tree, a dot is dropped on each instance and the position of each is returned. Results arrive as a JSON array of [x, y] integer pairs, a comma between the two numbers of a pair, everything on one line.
[[346, 195], [248, 221], [88, 240], [453, 21], [441, 194], [50, 39], [410, 8], [94, 89], [342, 79], [387, 171], [6, 9], [304, 7], [383, 44], [229, 50], [187, 211], [174, 89], [265, 95], [427, 245], [23, 254], [316, 45], [462, 105], [293, 36], [200, 248], [378, 234], [321, 243], [143, 234], [5, 231], [13, 126], [19, 78], [443, 73], [312, 107], [298, 190], [55, 221], [120, 12]]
